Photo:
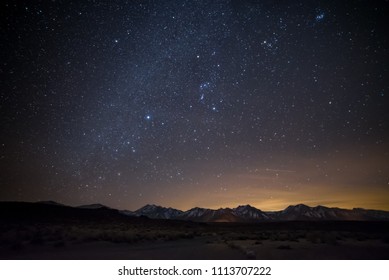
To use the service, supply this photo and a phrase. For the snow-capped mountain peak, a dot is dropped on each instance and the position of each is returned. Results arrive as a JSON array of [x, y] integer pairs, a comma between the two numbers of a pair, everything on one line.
[[157, 212], [248, 213]]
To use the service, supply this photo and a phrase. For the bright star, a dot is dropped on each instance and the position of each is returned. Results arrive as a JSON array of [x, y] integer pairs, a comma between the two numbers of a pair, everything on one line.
[[320, 17], [205, 85]]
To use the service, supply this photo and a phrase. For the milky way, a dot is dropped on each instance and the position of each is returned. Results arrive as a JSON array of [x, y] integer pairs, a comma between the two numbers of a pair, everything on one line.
[[195, 103]]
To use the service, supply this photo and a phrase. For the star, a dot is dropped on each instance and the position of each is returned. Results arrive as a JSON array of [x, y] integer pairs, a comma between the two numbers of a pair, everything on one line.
[[320, 17], [147, 98]]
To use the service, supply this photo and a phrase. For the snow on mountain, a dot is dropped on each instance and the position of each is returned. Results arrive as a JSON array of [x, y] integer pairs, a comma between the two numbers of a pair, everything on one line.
[[247, 213], [304, 212], [209, 215], [239, 214], [157, 212], [250, 213], [194, 213]]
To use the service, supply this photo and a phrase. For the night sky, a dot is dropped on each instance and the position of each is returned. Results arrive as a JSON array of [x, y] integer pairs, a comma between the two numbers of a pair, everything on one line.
[[195, 103]]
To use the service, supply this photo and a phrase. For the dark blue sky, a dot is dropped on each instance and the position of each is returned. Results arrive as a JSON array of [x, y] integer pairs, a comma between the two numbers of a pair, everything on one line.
[[195, 103]]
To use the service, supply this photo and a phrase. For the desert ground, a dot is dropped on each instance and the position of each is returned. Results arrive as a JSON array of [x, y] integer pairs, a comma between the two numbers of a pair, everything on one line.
[[49, 233]]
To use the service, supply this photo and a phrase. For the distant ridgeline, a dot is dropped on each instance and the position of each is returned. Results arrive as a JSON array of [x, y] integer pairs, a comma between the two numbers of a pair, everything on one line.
[[244, 214], [248, 213]]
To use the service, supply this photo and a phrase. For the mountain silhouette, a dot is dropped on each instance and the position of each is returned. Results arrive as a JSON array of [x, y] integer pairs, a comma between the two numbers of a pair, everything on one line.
[[241, 214]]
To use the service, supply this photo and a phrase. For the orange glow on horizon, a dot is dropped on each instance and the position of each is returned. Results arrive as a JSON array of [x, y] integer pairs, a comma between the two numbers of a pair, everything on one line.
[[279, 200]]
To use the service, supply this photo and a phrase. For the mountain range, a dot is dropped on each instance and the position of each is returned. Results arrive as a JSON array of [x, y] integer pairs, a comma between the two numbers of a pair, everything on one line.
[[247, 213], [240, 214]]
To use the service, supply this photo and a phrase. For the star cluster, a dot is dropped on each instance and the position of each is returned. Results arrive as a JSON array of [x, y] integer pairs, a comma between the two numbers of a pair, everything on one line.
[[195, 103]]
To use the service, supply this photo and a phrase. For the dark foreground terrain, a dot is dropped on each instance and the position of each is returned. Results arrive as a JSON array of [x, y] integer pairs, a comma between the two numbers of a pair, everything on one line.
[[49, 231]]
